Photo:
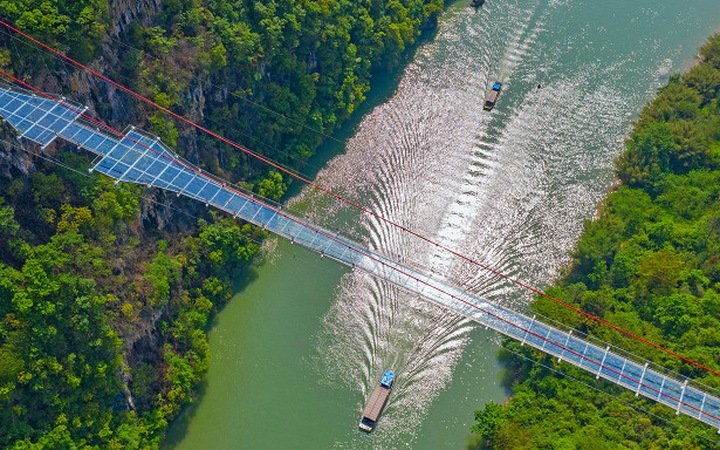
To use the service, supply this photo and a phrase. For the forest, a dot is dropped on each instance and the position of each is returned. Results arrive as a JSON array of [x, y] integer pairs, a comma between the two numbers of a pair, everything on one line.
[[107, 292], [277, 76], [649, 263]]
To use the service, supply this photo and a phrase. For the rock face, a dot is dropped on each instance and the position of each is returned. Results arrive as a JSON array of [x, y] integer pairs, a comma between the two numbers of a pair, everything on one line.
[[124, 12], [13, 160]]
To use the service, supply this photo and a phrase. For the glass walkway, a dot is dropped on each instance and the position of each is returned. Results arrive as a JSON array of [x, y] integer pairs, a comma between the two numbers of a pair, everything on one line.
[[136, 157]]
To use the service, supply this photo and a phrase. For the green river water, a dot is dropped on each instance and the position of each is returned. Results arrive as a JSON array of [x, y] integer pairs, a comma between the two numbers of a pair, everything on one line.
[[296, 352]]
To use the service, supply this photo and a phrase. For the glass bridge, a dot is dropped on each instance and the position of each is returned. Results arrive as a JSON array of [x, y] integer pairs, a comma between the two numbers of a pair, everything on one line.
[[136, 157]]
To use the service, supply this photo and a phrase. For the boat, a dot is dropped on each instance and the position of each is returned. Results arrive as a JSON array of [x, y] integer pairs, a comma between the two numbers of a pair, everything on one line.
[[376, 403], [477, 3], [492, 96]]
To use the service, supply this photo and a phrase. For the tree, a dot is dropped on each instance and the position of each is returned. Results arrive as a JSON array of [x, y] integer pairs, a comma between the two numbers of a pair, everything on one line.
[[272, 186], [648, 156], [710, 51], [487, 420], [705, 79]]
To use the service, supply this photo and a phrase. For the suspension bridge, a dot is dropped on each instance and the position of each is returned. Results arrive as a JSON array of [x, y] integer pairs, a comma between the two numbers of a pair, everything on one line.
[[134, 156]]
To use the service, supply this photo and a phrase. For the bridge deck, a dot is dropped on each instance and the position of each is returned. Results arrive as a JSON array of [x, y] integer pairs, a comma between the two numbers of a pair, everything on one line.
[[138, 158]]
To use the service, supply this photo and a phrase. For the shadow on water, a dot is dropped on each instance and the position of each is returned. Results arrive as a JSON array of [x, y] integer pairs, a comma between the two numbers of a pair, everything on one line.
[[177, 429]]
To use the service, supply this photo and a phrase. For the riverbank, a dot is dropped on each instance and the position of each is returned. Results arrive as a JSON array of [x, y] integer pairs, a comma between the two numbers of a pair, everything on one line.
[[648, 263]]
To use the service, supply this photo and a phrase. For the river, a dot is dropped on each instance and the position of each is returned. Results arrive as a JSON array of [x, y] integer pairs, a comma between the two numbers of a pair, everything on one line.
[[296, 352]]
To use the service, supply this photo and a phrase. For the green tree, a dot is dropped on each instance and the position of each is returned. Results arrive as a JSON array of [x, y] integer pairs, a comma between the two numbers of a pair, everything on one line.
[[710, 51], [705, 79], [487, 420], [648, 156], [272, 186]]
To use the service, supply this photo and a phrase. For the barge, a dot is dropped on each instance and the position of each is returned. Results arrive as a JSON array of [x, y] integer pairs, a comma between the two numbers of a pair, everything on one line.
[[376, 402]]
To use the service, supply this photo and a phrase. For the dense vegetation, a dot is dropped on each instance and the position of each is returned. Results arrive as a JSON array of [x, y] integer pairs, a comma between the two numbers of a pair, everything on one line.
[[650, 263], [103, 313], [72, 295]]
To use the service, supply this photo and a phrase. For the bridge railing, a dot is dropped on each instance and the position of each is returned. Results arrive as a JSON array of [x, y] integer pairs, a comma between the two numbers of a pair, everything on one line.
[[137, 157]]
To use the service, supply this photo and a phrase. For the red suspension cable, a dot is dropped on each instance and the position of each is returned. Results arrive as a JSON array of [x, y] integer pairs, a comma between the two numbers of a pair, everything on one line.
[[356, 205], [528, 331]]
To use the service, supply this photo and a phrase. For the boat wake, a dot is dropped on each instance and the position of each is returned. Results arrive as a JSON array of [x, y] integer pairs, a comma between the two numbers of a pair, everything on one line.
[[509, 189], [409, 160]]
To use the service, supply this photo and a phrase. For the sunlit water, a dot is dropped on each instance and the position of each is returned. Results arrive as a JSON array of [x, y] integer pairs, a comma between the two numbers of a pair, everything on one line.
[[509, 188]]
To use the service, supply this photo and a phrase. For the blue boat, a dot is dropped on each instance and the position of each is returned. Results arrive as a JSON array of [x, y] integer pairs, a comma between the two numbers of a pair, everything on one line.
[[492, 96]]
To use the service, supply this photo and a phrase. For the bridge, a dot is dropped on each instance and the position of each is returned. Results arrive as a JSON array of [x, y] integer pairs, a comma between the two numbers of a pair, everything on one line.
[[137, 157]]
